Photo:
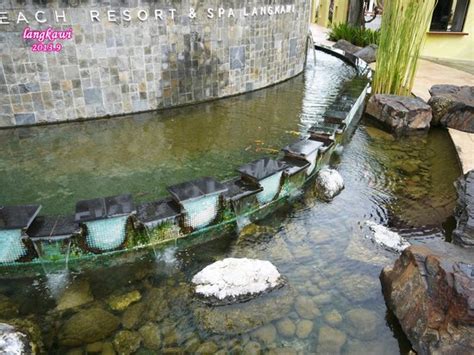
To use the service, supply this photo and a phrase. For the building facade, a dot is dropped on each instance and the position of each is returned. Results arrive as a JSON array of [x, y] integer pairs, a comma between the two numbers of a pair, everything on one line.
[[449, 37], [68, 60]]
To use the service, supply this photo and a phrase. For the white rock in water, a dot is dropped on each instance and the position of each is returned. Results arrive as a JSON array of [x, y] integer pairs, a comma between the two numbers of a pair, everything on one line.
[[330, 183], [12, 341], [233, 277], [386, 238]]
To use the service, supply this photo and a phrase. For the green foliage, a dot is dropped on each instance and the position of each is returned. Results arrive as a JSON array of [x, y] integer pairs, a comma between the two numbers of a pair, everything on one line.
[[404, 24], [76, 251], [356, 35], [136, 238], [163, 232], [145, 236]]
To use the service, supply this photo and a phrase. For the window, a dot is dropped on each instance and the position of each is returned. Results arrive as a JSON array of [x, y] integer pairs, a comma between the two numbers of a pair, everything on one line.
[[449, 16]]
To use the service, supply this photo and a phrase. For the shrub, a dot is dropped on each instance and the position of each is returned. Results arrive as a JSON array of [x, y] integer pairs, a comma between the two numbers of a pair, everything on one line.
[[404, 24], [356, 35]]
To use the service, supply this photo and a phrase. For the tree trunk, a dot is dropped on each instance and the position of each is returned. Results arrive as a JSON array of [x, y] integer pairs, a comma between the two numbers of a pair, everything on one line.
[[356, 13]]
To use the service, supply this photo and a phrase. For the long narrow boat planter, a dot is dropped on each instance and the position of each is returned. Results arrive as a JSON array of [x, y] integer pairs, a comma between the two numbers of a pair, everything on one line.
[[112, 230]]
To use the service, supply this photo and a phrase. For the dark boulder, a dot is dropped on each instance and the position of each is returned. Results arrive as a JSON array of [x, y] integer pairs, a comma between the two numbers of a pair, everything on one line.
[[400, 113], [453, 106], [368, 53], [431, 294], [346, 46], [463, 235]]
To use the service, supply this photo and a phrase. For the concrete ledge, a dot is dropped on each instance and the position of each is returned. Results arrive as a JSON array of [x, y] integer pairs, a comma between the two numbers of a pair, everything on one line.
[[464, 143]]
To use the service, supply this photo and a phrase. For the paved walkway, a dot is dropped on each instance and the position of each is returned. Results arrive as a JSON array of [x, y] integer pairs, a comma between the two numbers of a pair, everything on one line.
[[320, 34], [429, 74]]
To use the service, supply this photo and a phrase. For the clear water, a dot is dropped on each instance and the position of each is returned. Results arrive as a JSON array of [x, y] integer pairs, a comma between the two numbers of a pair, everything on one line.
[[333, 297], [59, 165]]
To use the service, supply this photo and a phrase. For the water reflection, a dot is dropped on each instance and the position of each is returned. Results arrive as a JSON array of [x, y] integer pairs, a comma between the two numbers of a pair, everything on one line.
[[59, 165]]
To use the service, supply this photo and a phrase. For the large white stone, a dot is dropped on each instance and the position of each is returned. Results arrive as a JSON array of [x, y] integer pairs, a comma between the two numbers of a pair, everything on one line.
[[12, 341], [233, 277], [383, 236], [330, 183]]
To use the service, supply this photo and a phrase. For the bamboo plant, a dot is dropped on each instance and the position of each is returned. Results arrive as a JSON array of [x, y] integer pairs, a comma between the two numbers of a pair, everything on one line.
[[404, 24]]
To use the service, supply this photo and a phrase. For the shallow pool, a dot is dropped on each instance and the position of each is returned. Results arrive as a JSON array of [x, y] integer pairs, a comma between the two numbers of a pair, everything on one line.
[[58, 165], [333, 302]]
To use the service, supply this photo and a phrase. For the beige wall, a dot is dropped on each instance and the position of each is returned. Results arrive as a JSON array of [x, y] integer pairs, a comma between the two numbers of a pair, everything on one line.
[[445, 46], [452, 46], [321, 8]]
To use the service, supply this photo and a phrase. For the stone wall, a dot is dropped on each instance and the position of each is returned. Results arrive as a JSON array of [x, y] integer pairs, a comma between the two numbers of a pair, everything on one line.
[[162, 57]]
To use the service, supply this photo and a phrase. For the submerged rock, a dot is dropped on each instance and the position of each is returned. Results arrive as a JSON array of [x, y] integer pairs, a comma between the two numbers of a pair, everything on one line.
[[88, 326], [282, 350], [243, 317], [463, 235], [233, 278], [286, 327], [362, 249], [133, 315], [127, 342], [108, 349], [95, 348], [151, 336], [121, 302], [400, 113], [77, 294], [431, 295], [330, 340], [347, 46], [13, 342], [362, 323], [333, 318], [266, 334], [368, 54], [453, 106], [330, 183], [359, 287], [306, 308], [252, 347], [8, 309], [208, 347], [278, 250], [304, 328], [384, 237], [377, 347]]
